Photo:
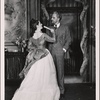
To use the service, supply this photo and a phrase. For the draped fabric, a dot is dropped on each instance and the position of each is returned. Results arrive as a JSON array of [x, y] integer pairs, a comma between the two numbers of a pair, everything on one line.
[[43, 7]]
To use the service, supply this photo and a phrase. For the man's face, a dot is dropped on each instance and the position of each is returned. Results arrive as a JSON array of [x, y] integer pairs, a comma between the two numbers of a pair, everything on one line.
[[54, 18]]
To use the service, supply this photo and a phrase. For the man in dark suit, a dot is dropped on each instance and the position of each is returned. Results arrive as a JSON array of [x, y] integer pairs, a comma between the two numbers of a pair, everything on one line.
[[59, 48]]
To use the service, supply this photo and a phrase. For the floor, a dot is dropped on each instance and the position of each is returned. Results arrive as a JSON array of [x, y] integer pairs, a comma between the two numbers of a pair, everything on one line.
[[75, 90]]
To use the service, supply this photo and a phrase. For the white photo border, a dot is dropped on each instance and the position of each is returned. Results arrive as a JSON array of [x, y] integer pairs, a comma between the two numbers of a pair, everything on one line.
[[2, 57]]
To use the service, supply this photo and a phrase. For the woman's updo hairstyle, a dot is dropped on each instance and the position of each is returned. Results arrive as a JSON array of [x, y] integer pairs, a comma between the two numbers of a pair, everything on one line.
[[33, 27], [33, 24]]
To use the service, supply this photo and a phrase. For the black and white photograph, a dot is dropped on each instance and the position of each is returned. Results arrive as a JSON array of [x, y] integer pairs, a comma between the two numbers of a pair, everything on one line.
[[49, 50]]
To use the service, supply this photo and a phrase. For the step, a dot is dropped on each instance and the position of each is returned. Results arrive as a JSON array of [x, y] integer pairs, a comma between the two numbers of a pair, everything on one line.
[[72, 79]]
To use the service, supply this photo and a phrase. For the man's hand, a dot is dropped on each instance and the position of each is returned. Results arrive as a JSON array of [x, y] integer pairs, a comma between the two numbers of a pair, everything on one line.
[[64, 49]]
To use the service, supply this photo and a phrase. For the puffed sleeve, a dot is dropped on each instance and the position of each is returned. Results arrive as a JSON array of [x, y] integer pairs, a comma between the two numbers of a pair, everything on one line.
[[31, 45]]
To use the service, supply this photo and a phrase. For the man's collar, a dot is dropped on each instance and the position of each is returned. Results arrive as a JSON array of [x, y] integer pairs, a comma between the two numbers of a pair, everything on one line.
[[57, 25]]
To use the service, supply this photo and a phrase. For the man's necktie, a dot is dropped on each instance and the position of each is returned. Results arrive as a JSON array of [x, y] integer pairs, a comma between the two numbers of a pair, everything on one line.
[[55, 26]]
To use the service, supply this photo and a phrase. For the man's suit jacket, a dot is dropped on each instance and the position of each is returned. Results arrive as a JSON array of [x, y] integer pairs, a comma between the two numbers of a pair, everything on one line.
[[63, 40]]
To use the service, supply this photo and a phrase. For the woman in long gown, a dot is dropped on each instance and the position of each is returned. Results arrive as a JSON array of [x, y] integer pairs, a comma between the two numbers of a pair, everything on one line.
[[40, 82]]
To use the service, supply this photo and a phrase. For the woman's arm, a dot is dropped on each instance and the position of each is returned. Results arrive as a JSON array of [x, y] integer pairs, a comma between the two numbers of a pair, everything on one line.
[[50, 39]]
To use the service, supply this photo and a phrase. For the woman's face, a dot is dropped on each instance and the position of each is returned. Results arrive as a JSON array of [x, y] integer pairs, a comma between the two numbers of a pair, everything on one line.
[[39, 26]]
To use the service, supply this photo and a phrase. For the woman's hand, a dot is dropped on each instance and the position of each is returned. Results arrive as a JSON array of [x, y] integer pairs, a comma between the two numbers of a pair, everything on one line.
[[21, 74], [52, 30]]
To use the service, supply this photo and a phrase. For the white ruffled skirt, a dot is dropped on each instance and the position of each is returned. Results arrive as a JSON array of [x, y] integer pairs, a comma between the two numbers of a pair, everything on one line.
[[40, 82]]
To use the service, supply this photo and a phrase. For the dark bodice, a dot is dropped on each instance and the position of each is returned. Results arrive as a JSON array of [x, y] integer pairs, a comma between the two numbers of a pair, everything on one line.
[[36, 47], [36, 43], [40, 42]]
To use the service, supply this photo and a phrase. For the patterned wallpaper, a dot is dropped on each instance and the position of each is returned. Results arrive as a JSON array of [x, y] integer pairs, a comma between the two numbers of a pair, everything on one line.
[[15, 20]]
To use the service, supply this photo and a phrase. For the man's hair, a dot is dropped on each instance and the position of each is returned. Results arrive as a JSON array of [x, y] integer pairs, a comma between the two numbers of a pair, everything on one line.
[[58, 14]]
